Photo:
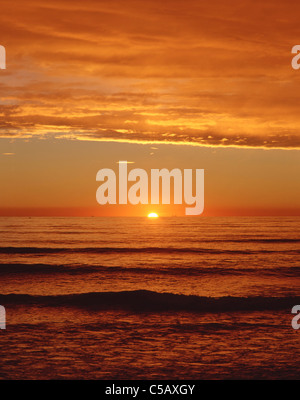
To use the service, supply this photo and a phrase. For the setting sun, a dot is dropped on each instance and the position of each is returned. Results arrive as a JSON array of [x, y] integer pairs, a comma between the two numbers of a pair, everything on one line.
[[152, 215]]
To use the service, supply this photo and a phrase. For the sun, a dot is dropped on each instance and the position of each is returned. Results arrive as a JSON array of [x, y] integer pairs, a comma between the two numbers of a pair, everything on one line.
[[152, 215]]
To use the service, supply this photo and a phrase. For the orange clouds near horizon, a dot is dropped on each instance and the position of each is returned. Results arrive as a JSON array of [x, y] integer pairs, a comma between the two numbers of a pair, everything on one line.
[[200, 73]]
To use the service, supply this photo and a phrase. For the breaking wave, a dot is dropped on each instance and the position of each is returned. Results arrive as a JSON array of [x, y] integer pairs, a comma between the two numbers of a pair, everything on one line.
[[150, 301]]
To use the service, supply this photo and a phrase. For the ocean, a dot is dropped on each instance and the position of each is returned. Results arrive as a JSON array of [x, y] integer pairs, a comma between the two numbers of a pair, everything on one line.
[[140, 298]]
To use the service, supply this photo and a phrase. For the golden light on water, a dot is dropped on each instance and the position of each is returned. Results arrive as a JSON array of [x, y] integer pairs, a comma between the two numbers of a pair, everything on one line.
[[152, 215]]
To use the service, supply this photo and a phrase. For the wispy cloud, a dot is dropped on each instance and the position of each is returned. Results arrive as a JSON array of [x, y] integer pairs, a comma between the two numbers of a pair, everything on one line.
[[199, 73]]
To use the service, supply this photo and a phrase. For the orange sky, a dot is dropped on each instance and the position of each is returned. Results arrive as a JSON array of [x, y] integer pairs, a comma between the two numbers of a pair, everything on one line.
[[214, 74]]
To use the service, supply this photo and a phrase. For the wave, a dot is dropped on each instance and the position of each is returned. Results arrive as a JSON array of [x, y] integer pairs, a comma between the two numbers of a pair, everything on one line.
[[53, 269], [186, 239], [130, 250], [150, 301]]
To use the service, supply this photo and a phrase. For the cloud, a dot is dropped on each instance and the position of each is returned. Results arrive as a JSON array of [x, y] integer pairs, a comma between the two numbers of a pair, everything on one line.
[[199, 73]]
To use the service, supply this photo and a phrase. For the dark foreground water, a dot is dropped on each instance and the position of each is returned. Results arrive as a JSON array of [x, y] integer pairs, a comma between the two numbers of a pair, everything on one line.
[[130, 298]]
